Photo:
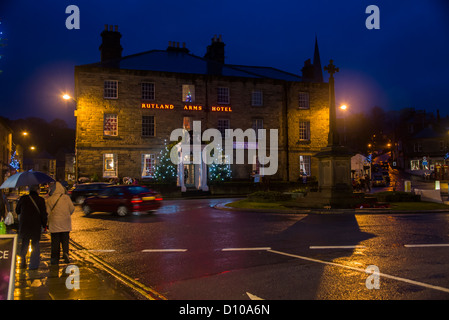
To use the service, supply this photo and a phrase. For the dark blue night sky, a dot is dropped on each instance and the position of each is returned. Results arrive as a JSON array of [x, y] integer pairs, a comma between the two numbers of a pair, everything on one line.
[[403, 64]]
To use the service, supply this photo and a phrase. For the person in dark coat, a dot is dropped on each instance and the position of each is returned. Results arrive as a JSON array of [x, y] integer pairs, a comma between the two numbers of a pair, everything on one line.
[[32, 217]]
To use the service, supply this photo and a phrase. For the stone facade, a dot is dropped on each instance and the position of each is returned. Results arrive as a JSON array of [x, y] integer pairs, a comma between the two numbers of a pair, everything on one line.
[[128, 145]]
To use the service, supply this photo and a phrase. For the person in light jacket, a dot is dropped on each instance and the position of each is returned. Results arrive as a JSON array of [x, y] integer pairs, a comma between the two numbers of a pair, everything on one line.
[[60, 209]]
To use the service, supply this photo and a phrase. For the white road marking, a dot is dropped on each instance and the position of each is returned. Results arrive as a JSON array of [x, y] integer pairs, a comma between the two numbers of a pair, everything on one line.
[[417, 283], [164, 250], [246, 249], [426, 245], [337, 247], [253, 297]]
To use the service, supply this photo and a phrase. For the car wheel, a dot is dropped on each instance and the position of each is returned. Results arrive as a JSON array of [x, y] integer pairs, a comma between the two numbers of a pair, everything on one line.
[[87, 210], [80, 200], [122, 211]]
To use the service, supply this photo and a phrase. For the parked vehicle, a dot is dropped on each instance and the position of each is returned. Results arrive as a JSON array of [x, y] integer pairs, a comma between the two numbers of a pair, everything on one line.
[[81, 191], [378, 181], [123, 200]]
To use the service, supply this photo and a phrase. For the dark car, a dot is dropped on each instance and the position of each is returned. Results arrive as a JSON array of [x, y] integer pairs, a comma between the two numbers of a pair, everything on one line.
[[84, 190], [123, 200], [378, 181]]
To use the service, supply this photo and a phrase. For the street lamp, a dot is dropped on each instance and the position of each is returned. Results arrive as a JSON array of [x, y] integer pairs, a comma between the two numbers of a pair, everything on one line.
[[344, 107], [68, 97]]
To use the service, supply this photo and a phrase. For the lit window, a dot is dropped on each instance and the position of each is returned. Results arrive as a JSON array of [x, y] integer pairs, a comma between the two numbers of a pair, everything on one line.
[[188, 93], [223, 95], [148, 126], [187, 123], [304, 100], [148, 164], [110, 125], [304, 130], [414, 165], [304, 165], [110, 89], [147, 90], [257, 98], [109, 165]]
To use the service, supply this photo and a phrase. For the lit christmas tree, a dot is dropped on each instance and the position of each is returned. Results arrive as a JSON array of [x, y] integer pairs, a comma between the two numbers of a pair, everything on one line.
[[165, 170], [219, 172], [15, 163]]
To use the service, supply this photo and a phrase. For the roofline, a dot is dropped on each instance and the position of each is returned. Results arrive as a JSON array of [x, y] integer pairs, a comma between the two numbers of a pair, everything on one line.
[[236, 67]]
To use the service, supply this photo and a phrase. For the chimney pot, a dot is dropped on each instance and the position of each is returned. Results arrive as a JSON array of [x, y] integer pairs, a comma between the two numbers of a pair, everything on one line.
[[110, 27], [116, 28], [106, 27]]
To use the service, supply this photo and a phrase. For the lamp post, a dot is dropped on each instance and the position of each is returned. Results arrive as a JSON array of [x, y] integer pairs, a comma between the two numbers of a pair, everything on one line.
[[67, 97], [344, 108]]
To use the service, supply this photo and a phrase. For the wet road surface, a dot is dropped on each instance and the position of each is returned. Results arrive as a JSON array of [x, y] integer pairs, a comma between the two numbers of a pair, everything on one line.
[[190, 250]]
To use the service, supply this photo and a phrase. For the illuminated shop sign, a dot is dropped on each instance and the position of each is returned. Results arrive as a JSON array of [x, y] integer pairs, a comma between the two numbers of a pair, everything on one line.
[[157, 106]]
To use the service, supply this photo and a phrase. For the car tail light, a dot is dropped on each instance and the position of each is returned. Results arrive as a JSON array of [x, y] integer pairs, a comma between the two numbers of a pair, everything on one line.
[[136, 200], [158, 197]]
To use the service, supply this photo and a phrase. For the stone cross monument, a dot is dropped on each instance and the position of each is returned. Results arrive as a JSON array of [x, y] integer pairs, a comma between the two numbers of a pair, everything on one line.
[[334, 163]]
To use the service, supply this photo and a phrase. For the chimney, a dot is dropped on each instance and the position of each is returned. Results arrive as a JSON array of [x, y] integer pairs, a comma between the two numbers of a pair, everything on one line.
[[173, 46], [215, 51], [308, 70], [110, 47]]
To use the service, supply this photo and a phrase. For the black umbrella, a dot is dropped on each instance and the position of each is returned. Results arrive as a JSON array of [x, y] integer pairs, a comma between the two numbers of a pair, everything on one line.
[[26, 178]]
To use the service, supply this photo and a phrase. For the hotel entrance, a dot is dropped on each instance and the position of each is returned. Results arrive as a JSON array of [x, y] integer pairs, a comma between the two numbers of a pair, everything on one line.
[[189, 175]]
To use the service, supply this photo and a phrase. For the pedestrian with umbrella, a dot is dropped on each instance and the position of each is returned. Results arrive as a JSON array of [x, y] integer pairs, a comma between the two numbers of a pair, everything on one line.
[[32, 213], [32, 218]]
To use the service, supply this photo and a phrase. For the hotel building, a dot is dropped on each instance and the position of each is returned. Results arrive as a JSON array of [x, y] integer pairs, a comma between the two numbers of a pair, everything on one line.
[[128, 106]]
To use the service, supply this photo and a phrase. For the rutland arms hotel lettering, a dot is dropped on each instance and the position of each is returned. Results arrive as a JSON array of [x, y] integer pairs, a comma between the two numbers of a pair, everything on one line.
[[185, 108]]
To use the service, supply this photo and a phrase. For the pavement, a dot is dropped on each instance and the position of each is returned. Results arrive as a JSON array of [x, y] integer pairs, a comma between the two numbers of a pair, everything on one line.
[[89, 281]]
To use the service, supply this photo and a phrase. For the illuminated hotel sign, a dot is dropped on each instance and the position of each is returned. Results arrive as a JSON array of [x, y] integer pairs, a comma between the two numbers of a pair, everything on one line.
[[157, 106], [220, 109], [186, 107], [193, 108]]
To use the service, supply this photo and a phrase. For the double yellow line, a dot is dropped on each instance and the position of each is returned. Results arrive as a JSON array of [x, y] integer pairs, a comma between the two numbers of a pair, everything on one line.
[[145, 291]]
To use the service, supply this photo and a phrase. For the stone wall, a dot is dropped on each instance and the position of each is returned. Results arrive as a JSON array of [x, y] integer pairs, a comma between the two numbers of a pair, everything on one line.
[[129, 145]]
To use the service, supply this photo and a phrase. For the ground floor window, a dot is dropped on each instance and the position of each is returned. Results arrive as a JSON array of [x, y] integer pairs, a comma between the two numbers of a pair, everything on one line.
[[414, 165], [304, 165], [109, 165], [148, 165]]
